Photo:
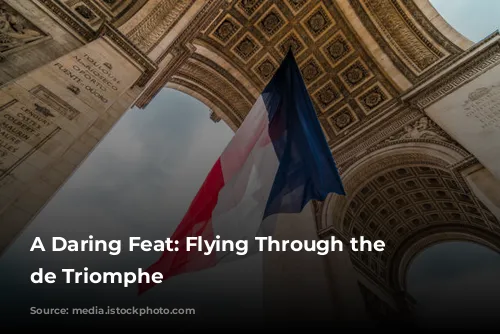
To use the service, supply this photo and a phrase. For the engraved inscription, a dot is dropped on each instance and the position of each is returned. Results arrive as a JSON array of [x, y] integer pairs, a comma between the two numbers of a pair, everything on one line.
[[483, 106], [91, 75], [21, 129]]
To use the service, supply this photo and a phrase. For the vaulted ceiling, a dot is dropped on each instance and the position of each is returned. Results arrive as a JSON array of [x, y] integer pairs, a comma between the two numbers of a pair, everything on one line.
[[356, 57]]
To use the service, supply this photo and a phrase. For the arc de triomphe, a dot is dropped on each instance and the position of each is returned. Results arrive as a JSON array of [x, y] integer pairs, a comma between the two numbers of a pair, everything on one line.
[[410, 108]]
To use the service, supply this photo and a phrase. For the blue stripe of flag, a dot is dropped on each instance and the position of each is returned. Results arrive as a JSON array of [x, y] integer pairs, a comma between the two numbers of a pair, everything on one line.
[[306, 169]]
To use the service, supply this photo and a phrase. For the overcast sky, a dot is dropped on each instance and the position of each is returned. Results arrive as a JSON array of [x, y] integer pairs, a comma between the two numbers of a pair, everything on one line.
[[141, 178]]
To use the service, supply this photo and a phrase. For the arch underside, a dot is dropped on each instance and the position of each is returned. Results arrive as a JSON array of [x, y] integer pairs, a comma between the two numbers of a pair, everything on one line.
[[210, 83], [356, 57], [409, 201], [410, 197]]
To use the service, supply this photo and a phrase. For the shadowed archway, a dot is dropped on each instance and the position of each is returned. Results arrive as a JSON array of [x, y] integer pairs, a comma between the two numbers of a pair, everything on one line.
[[455, 280]]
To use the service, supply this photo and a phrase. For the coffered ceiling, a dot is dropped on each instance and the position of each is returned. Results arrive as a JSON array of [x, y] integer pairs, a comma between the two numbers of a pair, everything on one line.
[[350, 86]]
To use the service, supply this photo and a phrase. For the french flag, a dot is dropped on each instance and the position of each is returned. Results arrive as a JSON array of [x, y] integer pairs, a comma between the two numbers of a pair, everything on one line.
[[277, 161]]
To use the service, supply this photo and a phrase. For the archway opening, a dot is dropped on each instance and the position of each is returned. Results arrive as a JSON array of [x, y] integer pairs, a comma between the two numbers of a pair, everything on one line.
[[455, 282], [411, 207], [402, 202]]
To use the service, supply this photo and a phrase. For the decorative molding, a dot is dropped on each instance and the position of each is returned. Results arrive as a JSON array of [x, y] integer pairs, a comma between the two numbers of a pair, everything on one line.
[[377, 134], [421, 130], [458, 77], [318, 21], [152, 30], [342, 119], [217, 85], [424, 128], [81, 28], [452, 51], [55, 102], [86, 13], [180, 54], [422, 191], [399, 30], [226, 30], [217, 68], [203, 90], [332, 45], [373, 98], [464, 164], [106, 29], [203, 18], [430, 28]]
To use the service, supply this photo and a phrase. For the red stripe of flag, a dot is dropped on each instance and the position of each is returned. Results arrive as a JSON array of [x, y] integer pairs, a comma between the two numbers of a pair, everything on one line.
[[196, 222]]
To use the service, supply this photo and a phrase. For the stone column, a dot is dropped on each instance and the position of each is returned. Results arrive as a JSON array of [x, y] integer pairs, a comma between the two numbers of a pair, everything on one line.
[[304, 286], [51, 119], [405, 309], [348, 300], [485, 186], [464, 100]]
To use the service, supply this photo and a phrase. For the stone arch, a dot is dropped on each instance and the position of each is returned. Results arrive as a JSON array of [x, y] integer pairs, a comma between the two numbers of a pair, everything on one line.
[[405, 153], [244, 42], [447, 30], [216, 84], [205, 98], [204, 50], [402, 194], [209, 76], [427, 238], [128, 11]]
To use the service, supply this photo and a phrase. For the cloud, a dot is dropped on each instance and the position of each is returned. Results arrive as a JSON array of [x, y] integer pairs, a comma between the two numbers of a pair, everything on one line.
[[137, 182], [473, 19]]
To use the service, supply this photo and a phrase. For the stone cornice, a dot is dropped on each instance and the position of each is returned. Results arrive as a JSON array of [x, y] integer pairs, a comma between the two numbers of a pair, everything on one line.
[[472, 64], [181, 49], [199, 22], [151, 31], [180, 54], [77, 26], [88, 34]]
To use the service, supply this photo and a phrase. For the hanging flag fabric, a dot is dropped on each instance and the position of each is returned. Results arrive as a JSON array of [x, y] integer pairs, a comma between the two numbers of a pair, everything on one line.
[[277, 161]]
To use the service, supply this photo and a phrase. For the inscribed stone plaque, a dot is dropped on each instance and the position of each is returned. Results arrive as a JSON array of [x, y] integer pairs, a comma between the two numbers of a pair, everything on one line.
[[471, 115], [22, 131], [66, 95], [97, 74]]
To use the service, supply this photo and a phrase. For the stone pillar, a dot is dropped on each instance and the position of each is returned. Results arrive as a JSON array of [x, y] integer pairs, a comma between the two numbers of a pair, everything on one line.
[[485, 186], [303, 286], [348, 300], [464, 100], [405, 309], [52, 117]]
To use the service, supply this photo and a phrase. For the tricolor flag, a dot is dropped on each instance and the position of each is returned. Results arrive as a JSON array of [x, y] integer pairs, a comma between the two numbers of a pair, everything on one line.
[[277, 161]]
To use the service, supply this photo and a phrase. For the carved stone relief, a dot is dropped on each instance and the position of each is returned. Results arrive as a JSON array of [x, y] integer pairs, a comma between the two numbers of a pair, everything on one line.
[[15, 30], [424, 128], [151, 31], [85, 12], [346, 87]]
